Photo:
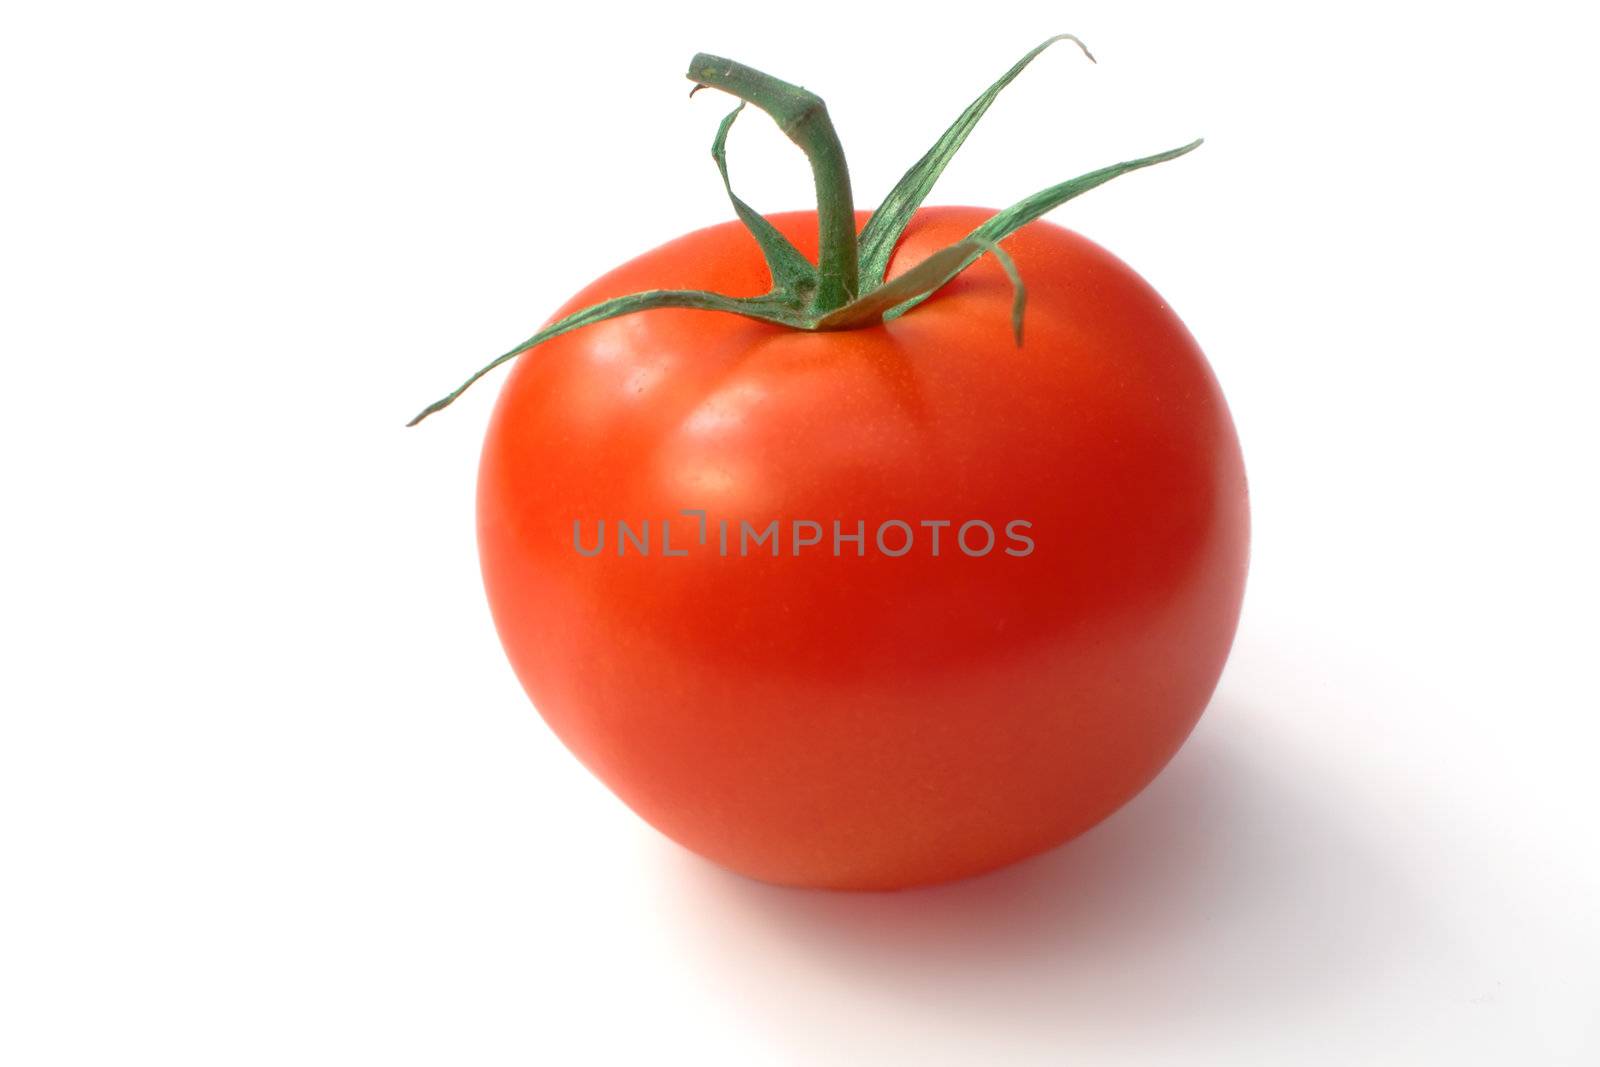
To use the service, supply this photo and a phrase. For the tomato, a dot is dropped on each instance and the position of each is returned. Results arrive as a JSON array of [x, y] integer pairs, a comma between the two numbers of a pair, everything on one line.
[[890, 596], [871, 719]]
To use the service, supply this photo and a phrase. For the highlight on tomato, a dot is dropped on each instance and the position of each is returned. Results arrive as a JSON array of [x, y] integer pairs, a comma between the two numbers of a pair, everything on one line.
[[866, 551]]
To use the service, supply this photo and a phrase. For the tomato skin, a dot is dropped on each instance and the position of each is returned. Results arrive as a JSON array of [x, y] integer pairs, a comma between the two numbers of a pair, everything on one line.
[[871, 722]]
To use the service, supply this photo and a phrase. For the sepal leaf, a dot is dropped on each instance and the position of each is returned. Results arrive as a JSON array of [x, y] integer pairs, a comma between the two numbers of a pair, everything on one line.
[[789, 267], [882, 231], [922, 281], [769, 308], [1003, 224]]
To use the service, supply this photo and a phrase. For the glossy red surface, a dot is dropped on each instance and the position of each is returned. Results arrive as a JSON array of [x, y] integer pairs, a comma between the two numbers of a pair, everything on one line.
[[871, 721]]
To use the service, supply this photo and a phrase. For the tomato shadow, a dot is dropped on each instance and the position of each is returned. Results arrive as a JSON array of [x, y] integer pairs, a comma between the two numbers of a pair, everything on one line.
[[1231, 888]]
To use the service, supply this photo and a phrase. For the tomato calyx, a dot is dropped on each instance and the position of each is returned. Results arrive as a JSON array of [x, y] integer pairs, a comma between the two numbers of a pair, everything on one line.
[[846, 289]]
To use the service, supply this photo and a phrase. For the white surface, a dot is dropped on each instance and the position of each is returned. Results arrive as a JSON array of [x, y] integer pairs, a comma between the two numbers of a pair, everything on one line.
[[269, 793]]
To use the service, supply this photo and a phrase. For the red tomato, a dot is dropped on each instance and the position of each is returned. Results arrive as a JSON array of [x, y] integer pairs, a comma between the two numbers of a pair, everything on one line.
[[870, 721]]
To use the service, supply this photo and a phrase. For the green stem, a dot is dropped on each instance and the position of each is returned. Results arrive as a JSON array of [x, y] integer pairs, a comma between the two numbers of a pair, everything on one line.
[[803, 118]]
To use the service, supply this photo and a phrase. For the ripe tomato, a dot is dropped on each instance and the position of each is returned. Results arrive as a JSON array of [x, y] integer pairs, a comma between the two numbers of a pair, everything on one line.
[[870, 720]]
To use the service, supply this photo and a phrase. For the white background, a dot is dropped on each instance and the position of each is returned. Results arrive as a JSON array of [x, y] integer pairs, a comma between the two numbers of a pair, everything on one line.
[[269, 792]]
